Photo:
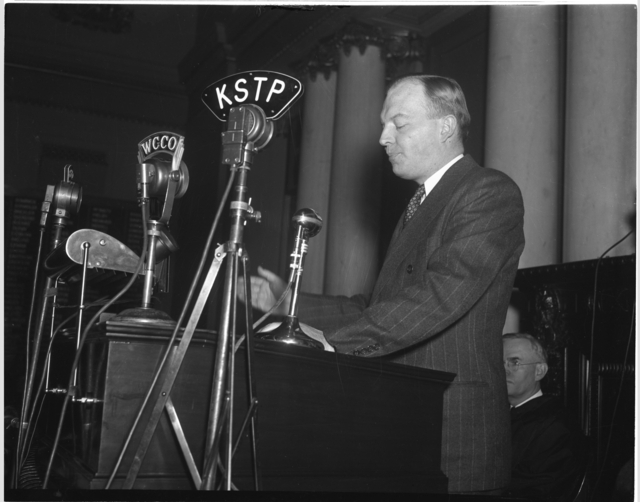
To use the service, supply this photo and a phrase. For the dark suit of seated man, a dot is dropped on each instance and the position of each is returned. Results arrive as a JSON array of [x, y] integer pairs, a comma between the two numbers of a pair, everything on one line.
[[548, 448]]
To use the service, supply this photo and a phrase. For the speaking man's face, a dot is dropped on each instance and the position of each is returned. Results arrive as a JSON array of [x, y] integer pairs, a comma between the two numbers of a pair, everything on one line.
[[411, 139]]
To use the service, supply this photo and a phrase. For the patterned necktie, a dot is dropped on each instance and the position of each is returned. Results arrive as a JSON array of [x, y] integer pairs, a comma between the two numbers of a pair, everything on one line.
[[414, 204]]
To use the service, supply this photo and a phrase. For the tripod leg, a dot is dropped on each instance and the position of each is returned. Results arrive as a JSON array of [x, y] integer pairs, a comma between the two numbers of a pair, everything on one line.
[[182, 440], [222, 395], [174, 367], [231, 372], [248, 418], [219, 392], [212, 457], [252, 389]]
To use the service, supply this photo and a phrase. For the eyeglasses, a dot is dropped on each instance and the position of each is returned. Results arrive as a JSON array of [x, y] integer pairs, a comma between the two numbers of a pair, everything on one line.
[[514, 364]]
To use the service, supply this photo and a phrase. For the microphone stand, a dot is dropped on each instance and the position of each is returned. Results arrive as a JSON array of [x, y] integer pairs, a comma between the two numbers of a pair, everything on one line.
[[239, 147], [308, 224], [67, 199], [240, 211], [151, 181]]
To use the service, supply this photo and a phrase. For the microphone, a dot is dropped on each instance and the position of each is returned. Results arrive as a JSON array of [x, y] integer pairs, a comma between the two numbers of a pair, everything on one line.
[[248, 130], [162, 177], [308, 223], [258, 129], [67, 197]]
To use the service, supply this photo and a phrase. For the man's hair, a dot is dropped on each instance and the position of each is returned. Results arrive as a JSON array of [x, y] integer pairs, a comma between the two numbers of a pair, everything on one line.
[[444, 97], [536, 345]]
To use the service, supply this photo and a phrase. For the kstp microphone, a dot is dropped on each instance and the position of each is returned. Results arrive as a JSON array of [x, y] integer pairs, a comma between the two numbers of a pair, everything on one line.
[[257, 128], [249, 102], [248, 130]]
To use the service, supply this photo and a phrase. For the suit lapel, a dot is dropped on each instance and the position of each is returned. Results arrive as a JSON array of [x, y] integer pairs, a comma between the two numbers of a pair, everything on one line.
[[404, 240]]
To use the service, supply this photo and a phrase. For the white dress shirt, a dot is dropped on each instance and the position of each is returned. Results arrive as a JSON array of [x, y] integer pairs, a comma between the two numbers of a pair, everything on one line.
[[537, 394], [432, 181]]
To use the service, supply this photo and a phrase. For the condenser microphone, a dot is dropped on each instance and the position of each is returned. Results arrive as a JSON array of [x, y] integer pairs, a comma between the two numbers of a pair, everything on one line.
[[308, 220], [252, 120], [308, 223]]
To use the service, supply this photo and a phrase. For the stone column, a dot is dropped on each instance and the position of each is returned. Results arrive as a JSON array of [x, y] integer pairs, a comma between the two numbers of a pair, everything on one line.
[[352, 224], [315, 166], [599, 196], [524, 113]]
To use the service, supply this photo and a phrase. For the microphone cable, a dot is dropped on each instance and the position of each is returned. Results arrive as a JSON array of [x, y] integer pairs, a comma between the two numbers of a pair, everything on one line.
[[71, 389], [187, 302], [31, 429], [615, 406], [593, 315], [46, 206], [592, 345], [278, 303], [25, 406], [266, 315]]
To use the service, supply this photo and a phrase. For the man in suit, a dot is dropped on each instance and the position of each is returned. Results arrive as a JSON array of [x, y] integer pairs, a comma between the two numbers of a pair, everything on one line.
[[441, 298], [548, 448]]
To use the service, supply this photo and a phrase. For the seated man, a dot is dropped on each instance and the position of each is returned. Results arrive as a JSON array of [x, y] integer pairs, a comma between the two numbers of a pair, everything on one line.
[[548, 450]]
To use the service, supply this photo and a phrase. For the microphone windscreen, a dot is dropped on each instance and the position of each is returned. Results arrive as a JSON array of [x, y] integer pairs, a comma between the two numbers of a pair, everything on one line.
[[250, 122]]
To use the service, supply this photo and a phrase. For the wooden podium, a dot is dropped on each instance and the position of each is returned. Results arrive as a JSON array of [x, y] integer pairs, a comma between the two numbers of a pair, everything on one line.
[[325, 421]]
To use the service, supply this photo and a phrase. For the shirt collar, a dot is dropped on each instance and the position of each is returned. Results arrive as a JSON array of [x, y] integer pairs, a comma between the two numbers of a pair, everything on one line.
[[537, 394], [432, 181]]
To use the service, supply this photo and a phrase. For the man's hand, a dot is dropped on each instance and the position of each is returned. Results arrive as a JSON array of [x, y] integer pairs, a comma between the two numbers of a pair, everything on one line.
[[266, 289]]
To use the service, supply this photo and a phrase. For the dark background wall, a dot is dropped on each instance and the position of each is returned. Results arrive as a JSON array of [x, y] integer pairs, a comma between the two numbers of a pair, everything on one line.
[[85, 83]]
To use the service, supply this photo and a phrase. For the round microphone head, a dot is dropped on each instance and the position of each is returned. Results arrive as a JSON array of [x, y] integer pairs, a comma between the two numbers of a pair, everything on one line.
[[257, 127], [67, 199], [183, 183], [162, 173], [308, 219]]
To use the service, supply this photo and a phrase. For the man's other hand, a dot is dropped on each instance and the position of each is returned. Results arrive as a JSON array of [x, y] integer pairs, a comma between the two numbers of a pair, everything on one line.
[[266, 289]]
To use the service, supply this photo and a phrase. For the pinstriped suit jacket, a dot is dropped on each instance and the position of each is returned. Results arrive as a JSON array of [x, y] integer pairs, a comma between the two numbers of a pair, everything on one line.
[[440, 302]]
